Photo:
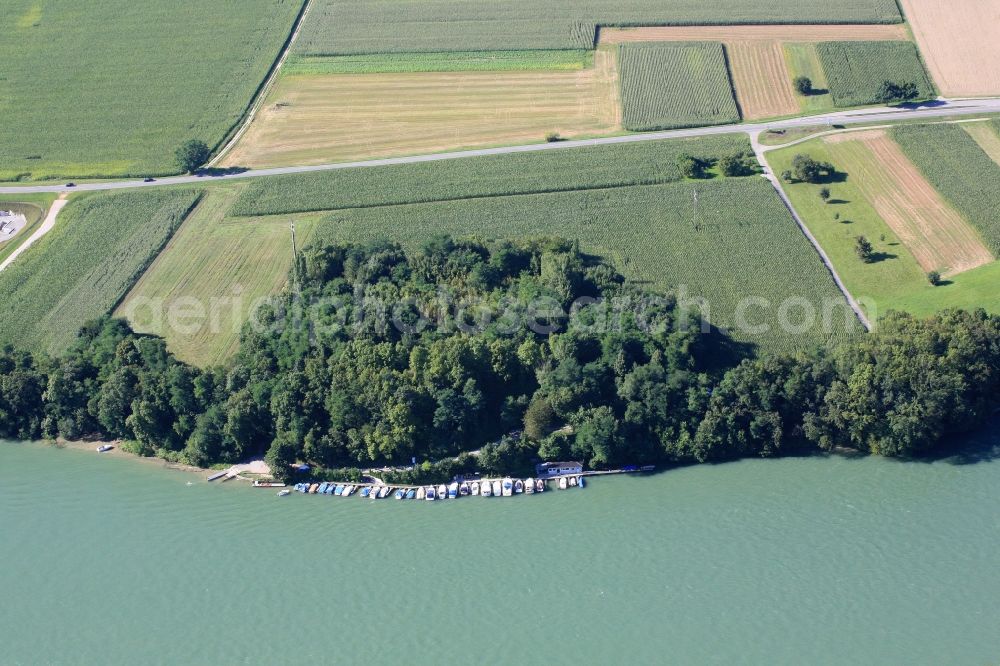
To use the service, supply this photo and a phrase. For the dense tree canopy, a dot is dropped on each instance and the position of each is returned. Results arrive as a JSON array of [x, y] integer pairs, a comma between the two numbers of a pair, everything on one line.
[[378, 356]]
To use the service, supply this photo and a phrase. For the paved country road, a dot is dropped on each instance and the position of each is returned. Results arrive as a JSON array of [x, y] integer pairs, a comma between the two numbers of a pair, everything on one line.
[[942, 109]]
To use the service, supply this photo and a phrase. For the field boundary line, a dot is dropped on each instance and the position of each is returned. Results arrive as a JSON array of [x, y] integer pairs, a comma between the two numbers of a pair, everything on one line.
[[47, 225], [265, 88], [769, 174]]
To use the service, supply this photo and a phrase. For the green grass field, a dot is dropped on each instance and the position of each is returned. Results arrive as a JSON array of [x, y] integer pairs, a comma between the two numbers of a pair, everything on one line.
[[959, 169], [388, 26], [879, 286], [224, 264], [803, 60], [857, 70], [489, 176], [112, 87], [83, 267], [467, 61], [969, 290], [669, 85]]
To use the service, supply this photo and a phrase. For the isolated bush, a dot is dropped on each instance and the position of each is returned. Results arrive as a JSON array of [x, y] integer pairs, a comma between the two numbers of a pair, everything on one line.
[[809, 170], [824, 194], [934, 278], [737, 165], [864, 249], [192, 155], [803, 85], [692, 167], [897, 92]]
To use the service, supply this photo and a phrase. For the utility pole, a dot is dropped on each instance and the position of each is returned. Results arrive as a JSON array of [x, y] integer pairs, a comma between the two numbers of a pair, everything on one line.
[[697, 218]]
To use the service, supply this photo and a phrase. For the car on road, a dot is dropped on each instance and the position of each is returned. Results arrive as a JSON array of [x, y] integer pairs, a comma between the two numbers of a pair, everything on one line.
[[70, 184], [149, 180]]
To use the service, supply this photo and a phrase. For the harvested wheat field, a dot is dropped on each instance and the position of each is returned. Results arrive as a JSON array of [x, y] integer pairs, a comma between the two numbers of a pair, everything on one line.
[[740, 33], [986, 136], [762, 80], [328, 118], [960, 41], [938, 237]]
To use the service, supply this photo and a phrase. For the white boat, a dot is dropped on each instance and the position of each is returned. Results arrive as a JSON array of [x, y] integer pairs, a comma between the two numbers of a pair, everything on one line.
[[464, 489], [518, 487], [384, 492], [508, 487], [421, 492], [485, 490], [348, 491], [572, 481], [430, 495], [529, 486], [562, 483], [104, 448], [284, 493], [497, 490], [540, 485], [453, 491], [475, 488], [442, 491]]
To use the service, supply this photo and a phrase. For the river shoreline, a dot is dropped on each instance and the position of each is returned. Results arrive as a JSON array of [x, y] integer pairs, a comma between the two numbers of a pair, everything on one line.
[[118, 452]]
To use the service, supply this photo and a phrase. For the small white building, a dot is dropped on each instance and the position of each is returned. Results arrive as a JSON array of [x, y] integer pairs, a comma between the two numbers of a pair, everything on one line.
[[550, 469]]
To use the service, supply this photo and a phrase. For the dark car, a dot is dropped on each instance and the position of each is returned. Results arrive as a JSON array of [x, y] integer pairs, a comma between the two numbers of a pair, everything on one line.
[[70, 184], [149, 180]]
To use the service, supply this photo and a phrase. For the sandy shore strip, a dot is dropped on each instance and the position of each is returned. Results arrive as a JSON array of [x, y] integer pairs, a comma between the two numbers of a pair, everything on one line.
[[255, 467]]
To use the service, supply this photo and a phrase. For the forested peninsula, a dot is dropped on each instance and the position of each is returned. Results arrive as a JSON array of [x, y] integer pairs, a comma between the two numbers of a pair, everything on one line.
[[378, 356]]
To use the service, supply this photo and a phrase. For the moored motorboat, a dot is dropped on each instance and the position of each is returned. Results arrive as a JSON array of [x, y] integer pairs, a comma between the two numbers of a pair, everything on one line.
[[581, 482], [383, 492], [486, 490], [464, 489], [507, 487], [430, 494], [572, 481], [284, 493], [421, 492], [540, 485], [442, 491], [322, 488], [518, 487], [562, 483], [400, 494], [411, 493], [366, 491], [497, 489], [104, 448], [339, 490], [474, 489], [453, 490], [313, 488], [529, 486], [349, 490]]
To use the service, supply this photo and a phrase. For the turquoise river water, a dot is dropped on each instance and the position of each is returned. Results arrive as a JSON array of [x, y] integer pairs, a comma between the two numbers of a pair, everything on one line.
[[107, 560]]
